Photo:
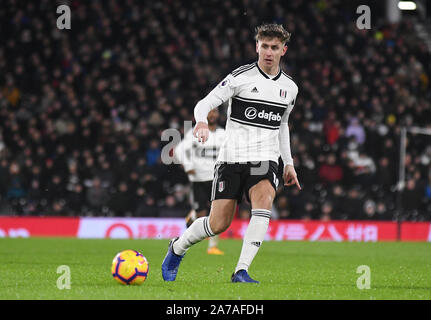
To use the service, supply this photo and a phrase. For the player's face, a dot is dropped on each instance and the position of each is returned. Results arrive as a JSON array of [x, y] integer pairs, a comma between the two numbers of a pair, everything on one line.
[[270, 52]]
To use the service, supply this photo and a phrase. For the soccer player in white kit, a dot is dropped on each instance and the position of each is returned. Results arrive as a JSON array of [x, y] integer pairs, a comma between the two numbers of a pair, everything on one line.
[[198, 161], [261, 97]]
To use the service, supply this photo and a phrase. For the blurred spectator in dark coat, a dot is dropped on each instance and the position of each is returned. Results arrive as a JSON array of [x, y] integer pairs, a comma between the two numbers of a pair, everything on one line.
[[96, 196], [353, 203], [327, 211], [57, 208], [385, 174], [283, 208], [369, 210], [76, 200], [168, 208], [337, 197], [15, 182], [121, 202], [389, 150], [383, 210], [146, 205], [55, 189], [106, 174], [4, 175], [411, 199], [310, 211], [295, 201]]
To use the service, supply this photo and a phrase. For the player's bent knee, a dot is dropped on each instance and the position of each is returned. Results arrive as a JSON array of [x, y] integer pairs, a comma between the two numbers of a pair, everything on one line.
[[262, 191], [218, 227], [219, 224], [221, 215], [262, 200]]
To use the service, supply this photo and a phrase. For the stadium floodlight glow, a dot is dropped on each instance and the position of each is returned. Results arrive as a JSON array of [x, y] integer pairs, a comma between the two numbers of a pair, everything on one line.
[[406, 5]]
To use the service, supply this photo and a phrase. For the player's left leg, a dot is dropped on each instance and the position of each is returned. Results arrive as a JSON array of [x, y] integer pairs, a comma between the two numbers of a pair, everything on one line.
[[206, 205], [202, 204], [212, 241], [261, 196], [222, 212], [226, 191]]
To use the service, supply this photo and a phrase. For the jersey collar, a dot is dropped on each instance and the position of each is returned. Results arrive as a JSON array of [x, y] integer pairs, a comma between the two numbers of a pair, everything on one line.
[[266, 76]]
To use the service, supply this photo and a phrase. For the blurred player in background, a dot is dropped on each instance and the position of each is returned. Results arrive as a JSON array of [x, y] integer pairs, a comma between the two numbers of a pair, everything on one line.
[[261, 97], [198, 161]]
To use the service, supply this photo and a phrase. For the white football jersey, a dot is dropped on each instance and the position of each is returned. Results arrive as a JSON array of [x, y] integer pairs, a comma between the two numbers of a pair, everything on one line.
[[257, 115], [200, 157]]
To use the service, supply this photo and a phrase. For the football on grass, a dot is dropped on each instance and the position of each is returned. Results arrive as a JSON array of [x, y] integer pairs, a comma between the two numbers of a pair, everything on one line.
[[130, 267]]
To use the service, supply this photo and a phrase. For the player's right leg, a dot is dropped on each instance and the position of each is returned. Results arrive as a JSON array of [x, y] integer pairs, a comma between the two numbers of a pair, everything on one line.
[[261, 189], [220, 218]]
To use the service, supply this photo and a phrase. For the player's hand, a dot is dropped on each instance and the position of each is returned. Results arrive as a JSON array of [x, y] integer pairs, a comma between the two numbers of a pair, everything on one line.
[[201, 132], [290, 177], [191, 171]]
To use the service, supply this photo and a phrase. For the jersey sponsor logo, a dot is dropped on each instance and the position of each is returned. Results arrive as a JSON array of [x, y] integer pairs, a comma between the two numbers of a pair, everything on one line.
[[250, 113], [269, 116]]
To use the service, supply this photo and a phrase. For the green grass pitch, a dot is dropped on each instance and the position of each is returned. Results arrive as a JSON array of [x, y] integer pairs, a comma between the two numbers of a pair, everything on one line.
[[287, 270]]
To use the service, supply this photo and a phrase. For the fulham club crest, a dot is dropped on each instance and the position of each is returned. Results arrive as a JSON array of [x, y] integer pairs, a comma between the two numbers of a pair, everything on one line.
[[221, 186], [283, 94]]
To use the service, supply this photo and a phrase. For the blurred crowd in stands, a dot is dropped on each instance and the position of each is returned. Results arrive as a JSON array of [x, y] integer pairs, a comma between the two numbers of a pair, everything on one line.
[[82, 110]]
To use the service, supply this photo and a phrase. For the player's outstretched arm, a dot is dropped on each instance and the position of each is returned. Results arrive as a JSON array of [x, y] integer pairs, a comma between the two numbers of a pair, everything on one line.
[[220, 94]]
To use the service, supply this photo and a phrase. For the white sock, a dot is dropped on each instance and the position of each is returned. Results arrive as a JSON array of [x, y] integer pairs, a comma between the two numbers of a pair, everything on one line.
[[199, 230], [213, 241], [253, 238]]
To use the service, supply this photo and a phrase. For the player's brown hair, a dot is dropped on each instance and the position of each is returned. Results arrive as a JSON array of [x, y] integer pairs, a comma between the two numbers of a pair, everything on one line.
[[272, 30]]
